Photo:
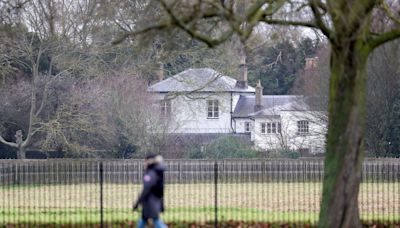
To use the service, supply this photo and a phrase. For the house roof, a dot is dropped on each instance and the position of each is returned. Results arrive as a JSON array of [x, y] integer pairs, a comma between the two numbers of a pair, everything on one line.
[[271, 105], [199, 79]]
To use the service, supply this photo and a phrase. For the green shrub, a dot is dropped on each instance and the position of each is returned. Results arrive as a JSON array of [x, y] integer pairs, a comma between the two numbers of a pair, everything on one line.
[[287, 153], [195, 153], [230, 147]]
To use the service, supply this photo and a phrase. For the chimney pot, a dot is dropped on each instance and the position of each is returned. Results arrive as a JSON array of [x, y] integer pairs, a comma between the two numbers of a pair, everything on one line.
[[311, 63]]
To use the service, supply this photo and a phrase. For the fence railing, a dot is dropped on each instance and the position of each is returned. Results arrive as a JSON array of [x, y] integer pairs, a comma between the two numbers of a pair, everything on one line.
[[93, 192]]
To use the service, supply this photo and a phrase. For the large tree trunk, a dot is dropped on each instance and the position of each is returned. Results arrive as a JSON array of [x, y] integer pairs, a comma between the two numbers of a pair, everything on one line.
[[344, 156], [21, 153]]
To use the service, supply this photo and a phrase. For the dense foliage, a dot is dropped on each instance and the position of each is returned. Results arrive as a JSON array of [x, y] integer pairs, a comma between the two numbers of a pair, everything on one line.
[[279, 66], [229, 147]]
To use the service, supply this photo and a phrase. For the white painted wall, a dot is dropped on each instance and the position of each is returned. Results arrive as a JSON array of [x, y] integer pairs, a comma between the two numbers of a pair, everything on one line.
[[240, 125], [289, 137], [189, 113]]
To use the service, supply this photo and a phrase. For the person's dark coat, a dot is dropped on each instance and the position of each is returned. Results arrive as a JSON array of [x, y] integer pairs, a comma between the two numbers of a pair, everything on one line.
[[152, 196]]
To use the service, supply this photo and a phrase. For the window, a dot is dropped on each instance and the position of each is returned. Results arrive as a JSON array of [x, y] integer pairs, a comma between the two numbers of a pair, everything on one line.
[[212, 109], [263, 128], [165, 108], [274, 127], [302, 127], [271, 128], [246, 126]]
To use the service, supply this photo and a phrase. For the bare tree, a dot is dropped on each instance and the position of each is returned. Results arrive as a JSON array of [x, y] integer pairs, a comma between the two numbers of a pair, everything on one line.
[[40, 61], [137, 114]]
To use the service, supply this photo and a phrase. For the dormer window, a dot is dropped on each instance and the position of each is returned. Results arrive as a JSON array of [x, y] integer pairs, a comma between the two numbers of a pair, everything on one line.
[[212, 109], [165, 108]]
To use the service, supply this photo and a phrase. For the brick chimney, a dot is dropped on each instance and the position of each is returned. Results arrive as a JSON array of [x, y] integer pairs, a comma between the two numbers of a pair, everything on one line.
[[258, 105], [242, 82], [311, 63], [159, 71]]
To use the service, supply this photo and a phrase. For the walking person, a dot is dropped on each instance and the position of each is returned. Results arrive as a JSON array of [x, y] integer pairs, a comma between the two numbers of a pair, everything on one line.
[[152, 197]]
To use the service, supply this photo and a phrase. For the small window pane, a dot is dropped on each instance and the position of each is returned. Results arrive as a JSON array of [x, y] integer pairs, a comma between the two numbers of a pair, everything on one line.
[[302, 126], [212, 109], [269, 128], [165, 107], [247, 126]]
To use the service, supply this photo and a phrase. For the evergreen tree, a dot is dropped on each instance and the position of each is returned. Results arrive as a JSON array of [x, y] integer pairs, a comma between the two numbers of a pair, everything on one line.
[[281, 64]]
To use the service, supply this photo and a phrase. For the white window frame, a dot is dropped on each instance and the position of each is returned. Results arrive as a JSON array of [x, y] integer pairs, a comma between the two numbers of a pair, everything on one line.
[[165, 108], [247, 126], [269, 128], [212, 109], [273, 127], [263, 128], [303, 127]]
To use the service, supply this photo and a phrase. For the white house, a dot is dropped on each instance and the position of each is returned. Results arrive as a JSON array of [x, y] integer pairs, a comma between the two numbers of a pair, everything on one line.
[[203, 101]]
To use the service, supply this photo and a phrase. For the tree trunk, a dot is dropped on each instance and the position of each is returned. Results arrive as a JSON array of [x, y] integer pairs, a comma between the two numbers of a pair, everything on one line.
[[344, 156], [21, 153]]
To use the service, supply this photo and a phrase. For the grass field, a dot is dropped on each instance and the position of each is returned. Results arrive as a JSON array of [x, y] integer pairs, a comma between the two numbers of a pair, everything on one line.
[[187, 202]]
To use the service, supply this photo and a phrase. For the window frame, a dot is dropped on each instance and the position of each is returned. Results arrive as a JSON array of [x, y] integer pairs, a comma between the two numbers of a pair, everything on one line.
[[213, 109], [303, 127], [271, 128], [247, 126], [165, 108], [263, 128]]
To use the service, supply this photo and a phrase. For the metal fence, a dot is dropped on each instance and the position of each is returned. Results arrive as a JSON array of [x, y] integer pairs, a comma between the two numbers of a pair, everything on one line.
[[101, 192]]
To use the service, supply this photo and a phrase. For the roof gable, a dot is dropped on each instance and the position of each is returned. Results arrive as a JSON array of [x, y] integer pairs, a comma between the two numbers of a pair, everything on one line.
[[200, 79], [271, 104]]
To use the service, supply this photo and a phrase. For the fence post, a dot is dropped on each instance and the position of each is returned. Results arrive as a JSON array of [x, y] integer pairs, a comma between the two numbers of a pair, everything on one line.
[[101, 195], [216, 194], [16, 174], [179, 172]]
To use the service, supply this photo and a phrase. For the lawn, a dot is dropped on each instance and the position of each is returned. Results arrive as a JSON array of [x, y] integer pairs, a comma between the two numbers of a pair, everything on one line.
[[80, 203]]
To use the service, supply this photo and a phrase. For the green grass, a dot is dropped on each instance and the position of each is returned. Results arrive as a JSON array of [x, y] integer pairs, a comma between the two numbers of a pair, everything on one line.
[[270, 202], [87, 216]]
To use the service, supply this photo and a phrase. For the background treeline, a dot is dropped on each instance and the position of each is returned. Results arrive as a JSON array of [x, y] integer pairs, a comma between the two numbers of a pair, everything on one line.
[[72, 92]]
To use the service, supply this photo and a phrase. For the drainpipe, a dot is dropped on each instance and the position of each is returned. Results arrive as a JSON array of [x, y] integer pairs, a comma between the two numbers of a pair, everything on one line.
[[232, 128]]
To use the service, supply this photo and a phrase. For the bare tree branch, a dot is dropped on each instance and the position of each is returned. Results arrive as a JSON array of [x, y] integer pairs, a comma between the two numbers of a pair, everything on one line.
[[2, 140], [308, 24], [383, 38], [389, 12], [315, 5]]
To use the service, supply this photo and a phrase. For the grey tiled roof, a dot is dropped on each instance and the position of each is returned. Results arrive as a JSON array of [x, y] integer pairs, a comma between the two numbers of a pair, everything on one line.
[[271, 104], [200, 79]]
